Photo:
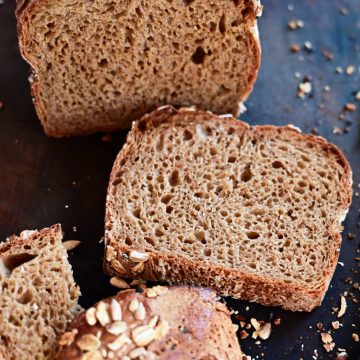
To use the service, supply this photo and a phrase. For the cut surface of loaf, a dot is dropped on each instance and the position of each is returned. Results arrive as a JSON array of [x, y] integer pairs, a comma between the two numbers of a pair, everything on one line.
[[38, 295], [98, 65], [159, 323], [253, 212]]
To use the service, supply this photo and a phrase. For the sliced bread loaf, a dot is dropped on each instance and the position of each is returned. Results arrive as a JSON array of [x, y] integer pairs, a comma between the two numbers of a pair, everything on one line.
[[98, 65], [253, 212], [160, 323], [38, 295]]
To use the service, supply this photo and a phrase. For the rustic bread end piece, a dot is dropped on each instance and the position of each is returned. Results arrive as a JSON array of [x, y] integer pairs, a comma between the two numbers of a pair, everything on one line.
[[158, 323], [99, 65], [38, 295], [253, 212]]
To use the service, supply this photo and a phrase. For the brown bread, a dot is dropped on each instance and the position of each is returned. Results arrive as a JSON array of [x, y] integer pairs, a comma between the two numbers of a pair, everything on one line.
[[160, 323], [98, 65], [253, 212], [38, 295]]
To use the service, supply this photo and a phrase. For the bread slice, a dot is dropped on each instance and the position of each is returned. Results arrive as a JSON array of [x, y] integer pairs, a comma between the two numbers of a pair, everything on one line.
[[38, 295], [252, 212], [99, 65], [158, 323]]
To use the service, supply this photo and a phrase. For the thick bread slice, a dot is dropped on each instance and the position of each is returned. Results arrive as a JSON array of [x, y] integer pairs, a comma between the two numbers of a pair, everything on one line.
[[253, 212], [38, 295], [178, 323], [98, 65]]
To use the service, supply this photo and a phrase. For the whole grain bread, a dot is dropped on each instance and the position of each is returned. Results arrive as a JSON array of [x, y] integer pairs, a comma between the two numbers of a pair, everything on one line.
[[38, 295], [252, 212], [157, 323], [98, 65]]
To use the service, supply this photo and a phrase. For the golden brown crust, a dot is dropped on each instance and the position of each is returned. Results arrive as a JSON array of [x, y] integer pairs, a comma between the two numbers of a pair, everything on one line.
[[229, 282], [195, 326]]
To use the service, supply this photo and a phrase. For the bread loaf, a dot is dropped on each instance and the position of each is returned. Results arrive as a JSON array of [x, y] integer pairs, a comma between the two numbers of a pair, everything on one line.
[[252, 212], [159, 323], [98, 65], [38, 295]]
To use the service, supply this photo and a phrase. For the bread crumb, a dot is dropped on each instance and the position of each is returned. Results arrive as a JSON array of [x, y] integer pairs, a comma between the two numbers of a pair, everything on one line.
[[343, 11], [277, 321], [304, 89], [295, 24], [350, 69], [339, 70], [243, 334], [355, 337], [294, 48], [337, 131], [335, 325], [328, 55], [350, 107]]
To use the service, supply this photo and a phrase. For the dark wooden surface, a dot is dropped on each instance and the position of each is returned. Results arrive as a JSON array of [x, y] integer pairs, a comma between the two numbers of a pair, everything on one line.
[[44, 181]]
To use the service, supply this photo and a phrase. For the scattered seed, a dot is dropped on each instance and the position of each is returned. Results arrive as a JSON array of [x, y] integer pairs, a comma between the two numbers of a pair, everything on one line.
[[119, 283], [339, 70], [255, 324], [343, 11], [308, 46], [294, 48], [295, 24], [329, 347], [277, 321], [343, 307], [110, 253], [350, 107], [328, 55], [355, 337], [304, 89], [350, 70], [265, 331], [71, 244], [357, 95], [337, 130]]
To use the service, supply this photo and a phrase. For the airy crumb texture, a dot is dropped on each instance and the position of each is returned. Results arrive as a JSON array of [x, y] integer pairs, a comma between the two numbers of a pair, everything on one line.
[[160, 323], [98, 65], [38, 295], [254, 213]]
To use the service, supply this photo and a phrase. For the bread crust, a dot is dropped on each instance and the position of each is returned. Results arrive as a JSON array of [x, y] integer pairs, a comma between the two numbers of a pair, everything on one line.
[[199, 325], [226, 281], [23, 12]]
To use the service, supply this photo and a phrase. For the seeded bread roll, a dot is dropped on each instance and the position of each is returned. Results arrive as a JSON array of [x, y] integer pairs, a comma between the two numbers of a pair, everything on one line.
[[157, 323], [98, 65], [252, 212], [38, 295]]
